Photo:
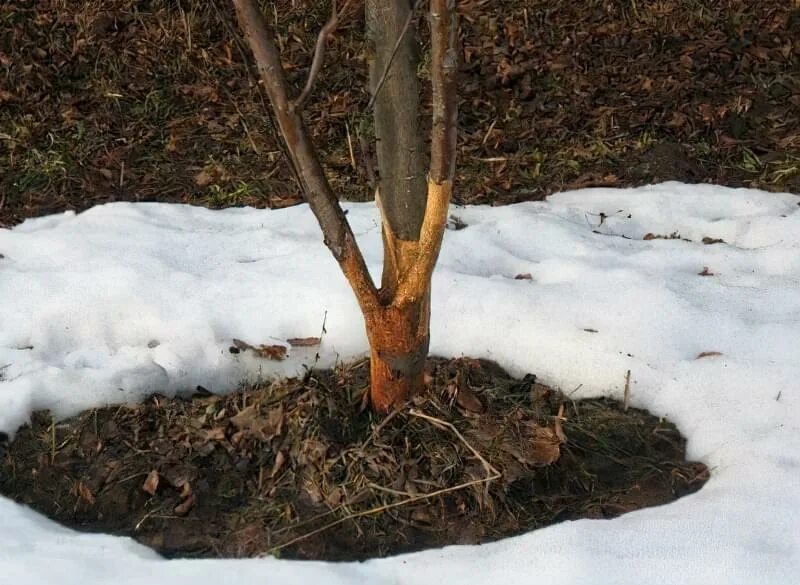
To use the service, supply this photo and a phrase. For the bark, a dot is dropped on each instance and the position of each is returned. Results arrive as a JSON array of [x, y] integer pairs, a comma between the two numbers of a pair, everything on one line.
[[399, 335], [413, 208], [316, 190], [400, 146]]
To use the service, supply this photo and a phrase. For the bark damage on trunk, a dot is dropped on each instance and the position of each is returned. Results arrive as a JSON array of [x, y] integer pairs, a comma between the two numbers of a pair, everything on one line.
[[413, 209]]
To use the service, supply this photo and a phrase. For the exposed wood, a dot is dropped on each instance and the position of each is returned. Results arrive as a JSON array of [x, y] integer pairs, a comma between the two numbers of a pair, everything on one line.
[[316, 190], [398, 338], [444, 70], [413, 207]]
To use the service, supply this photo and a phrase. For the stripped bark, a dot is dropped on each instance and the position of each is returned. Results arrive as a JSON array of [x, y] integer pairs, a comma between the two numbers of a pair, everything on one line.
[[413, 209]]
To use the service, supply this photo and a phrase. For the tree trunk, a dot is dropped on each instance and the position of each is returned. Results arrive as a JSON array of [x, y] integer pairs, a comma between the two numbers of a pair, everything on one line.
[[413, 206], [400, 145], [398, 334], [398, 338]]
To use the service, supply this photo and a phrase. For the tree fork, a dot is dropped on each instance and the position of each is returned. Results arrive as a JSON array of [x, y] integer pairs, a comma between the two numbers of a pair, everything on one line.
[[397, 317]]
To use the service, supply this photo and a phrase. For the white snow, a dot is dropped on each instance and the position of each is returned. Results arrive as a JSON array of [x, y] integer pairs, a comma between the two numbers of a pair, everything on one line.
[[127, 299]]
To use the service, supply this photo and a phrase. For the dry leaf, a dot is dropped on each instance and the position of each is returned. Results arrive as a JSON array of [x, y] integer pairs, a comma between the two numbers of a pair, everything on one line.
[[468, 400], [557, 427], [84, 493], [546, 446], [524, 276], [272, 352], [704, 354], [708, 241], [304, 341], [203, 179], [183, 508], [280, 459], [151, 483], [250, 420]]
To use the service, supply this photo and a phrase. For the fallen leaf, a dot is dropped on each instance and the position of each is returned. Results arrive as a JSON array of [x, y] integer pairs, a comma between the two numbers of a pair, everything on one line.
[[280, 459], [704, 354], [183, 508], [524, 276], [151, 483], [272, 352], [304, 341], [203, 179], [84, 493], [469, 401], [546, 446], [708, 241]]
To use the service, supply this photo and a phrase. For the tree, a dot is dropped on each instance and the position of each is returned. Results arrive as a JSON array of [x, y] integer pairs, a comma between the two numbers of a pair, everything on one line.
[[413, 207]]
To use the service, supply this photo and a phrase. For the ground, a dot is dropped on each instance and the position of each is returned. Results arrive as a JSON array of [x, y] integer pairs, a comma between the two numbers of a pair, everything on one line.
[[289, 469], [147, 100]]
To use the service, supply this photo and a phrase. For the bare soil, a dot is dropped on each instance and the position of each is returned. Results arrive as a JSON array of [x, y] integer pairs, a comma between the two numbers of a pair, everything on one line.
[[300, 469]]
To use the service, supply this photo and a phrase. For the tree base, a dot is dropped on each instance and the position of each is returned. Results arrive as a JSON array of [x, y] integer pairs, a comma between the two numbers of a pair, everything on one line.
[[398, 350]]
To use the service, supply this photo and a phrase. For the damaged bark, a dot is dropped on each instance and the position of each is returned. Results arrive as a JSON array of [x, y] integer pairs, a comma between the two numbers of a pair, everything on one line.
[[413, 208]]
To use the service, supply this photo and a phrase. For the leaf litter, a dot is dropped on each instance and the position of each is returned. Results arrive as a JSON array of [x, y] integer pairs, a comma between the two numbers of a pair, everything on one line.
[[295, 468]]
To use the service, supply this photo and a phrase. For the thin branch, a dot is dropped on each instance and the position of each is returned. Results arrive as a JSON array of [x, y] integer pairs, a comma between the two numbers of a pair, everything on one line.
[[396, 48], [319, 54], [444, 69], [317, 191]]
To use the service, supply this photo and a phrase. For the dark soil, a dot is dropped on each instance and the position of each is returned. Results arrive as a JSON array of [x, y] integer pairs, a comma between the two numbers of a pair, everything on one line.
[[300, 469], [150, 100]]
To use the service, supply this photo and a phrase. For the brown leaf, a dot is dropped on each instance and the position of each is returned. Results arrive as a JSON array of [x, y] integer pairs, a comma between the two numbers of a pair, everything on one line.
[[186, 490], [183, 508], [546, 447], [251, 420], [304, 341], [151, 483], [272, 352], [469, 401], [704, 354], [84, 493], [203, 179], [524, 276], [280, 459], [708, 241]]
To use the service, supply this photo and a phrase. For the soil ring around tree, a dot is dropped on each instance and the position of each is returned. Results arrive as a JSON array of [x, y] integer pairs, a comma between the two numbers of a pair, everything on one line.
[[301, 469]]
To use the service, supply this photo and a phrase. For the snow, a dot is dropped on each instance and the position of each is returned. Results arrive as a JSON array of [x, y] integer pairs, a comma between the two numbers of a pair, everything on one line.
[[126, 299]]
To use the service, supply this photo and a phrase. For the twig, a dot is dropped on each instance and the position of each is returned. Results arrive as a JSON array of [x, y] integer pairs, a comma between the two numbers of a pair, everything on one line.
[[396, 48], [491, 475], [626, 394], [486, 465], [319, 54], [378, 509], [317, 191]]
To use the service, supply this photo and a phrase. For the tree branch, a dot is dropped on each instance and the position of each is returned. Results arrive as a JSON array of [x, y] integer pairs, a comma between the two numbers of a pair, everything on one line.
[[444, 69], [319, 54], [317, 192]]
